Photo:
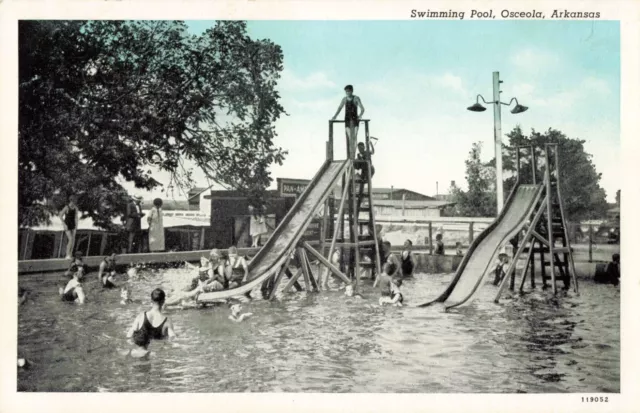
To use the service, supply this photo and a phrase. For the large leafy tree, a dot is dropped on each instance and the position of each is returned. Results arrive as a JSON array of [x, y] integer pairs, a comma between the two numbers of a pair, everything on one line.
[[101, 101], [480, 199], [582, 195]]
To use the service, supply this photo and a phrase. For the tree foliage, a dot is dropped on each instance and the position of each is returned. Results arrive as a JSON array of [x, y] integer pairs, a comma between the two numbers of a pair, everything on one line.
[[101, 101], [582, 195], [480, 198]]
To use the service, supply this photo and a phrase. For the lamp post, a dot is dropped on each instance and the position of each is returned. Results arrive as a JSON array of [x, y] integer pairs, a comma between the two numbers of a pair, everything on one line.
[[497, 129]]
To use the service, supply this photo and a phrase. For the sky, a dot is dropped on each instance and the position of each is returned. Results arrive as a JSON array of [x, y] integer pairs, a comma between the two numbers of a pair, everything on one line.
[[416, 79]]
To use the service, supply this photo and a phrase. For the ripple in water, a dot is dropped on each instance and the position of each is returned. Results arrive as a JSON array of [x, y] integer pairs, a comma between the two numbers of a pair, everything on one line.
[[327, 343]]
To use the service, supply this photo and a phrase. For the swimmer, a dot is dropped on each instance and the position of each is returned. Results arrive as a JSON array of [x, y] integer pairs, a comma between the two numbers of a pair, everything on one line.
[[396, 298], [23, 363], [407, 260], [503, 260], [348, 291], [388, 270], [107, 271], [73, 291], [235, 313], [76, 263], [22, 295], [150, 325], [217, 280], [125, 296]]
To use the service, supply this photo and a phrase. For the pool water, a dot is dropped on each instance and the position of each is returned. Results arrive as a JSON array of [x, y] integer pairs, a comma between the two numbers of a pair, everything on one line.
[[326, 342]]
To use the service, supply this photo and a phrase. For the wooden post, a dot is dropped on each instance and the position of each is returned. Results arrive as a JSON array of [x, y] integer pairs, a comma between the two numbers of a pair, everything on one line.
[[533, 266], [470, 232], [274, 286], [340, 218], [590, 243], [529, 261], [534, 165], [103, 242], [326, 263], [549, 221], [305, 269], [330, 143], [430, 238], [88, 244], [566, 243], [293, 281], [62, 237], [202, 232], [295, 284]]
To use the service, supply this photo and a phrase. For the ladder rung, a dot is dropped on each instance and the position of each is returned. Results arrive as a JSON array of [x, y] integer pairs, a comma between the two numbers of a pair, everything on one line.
[[367, 242], [557, 264], [368, 264]]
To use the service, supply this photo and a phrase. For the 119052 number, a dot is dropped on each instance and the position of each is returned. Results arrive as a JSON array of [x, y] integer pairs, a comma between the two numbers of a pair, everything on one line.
[[596, 399]]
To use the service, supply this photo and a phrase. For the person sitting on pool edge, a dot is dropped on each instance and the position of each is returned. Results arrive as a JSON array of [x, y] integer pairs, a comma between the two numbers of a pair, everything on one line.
[[407, 260], [150, 325], [73, 291], [236, 270], [107, 271]]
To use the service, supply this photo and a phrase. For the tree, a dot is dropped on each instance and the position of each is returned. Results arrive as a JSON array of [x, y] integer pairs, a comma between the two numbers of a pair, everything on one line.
[[480, 198], [582, 195], [105, 100]]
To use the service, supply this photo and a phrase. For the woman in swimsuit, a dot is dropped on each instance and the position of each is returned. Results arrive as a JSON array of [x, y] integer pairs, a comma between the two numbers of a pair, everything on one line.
[[150, 325], [351, 103], [407, 260], [107, 271], [73, 291], [69, 217]]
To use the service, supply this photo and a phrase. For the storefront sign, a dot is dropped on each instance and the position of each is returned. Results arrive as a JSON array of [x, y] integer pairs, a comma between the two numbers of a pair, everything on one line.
[[292, 187]]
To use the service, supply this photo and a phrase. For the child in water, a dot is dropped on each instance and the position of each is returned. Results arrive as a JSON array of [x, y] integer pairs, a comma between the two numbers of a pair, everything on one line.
[[107, 271], [501, 265], [73, 291], [150, 325], [235, 313], [407, 260], [388, 269], [439, 245], [237, 270], [76, 263]]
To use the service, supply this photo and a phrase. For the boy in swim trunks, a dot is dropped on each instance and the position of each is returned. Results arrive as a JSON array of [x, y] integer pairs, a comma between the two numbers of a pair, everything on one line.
[[235, 313], [351, 103], [73, 291], [501, 265]]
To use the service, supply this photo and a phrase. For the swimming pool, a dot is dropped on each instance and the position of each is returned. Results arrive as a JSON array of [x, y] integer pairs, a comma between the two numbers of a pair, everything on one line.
[[327, 343]]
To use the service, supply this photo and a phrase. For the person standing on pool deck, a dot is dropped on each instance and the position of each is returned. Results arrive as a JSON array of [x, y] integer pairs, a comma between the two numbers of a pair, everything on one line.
[[133, 224], [69, 217], [150, 325], [351, 103], [156, 227]]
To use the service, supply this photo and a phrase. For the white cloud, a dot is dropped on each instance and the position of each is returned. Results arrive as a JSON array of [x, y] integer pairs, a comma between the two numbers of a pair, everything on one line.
[[535, 60], [317, 80], [597, 85], [448, 81]]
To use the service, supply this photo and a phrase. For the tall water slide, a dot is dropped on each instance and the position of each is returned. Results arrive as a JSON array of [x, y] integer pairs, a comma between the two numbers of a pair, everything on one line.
[[482, 253], [278, 248]]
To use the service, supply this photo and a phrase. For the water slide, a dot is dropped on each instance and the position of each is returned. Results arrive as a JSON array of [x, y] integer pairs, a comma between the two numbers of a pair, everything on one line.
[[286, 236], [479, 259]]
